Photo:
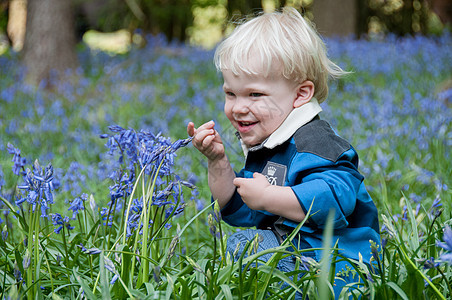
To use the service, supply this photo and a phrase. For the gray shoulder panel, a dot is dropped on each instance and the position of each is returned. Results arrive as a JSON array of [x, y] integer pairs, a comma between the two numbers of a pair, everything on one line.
[[317, 137]]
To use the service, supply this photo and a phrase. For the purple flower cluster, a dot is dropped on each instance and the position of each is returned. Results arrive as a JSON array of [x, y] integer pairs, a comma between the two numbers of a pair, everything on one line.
[[154, 156], [77, 205], [18, 160], [59, 222], [38, 188], [144, 148]]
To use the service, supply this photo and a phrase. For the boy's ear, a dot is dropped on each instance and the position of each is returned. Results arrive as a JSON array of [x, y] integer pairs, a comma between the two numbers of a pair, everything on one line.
[[305, 92]]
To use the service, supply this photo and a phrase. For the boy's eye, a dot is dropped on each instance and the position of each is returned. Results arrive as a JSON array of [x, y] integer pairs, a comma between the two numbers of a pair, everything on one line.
[[256, 94], [231, 94]]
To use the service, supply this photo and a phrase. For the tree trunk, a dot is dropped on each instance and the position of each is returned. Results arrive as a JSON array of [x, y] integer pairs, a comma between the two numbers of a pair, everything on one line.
[[335, 18], [49, 40], [362, 18]]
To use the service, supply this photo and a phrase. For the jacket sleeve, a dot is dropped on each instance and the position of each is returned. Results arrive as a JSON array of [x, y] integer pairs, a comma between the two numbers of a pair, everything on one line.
[[326, 185]]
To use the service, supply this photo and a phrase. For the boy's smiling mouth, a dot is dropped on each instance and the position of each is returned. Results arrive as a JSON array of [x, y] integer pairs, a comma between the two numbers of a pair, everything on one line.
[[245, 126]]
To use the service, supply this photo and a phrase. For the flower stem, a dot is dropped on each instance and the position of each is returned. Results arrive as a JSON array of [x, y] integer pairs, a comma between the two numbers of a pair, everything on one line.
[[30, 249], [36, 245], [66, 257], [445, 279]]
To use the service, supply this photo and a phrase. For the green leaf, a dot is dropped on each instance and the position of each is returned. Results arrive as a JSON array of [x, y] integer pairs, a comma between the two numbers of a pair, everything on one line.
[[323, 284], [279, 274], [413, 284], [226, 292], [88, 293], [414, 238], [19, 260], [104, 285], [399, 290]]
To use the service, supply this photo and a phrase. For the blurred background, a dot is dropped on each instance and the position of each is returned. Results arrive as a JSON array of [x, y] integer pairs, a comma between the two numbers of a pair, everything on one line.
[[47, 32]]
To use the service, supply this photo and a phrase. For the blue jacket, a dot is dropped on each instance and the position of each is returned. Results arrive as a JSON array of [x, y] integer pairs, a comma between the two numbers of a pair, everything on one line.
[[322, 170]]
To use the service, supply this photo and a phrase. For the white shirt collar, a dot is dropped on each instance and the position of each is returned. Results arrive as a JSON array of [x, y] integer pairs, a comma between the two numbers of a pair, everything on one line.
[[297, 118]]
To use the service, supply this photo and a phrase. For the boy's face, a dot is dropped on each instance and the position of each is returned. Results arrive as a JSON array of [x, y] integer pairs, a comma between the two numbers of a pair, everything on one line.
[[256, 105]]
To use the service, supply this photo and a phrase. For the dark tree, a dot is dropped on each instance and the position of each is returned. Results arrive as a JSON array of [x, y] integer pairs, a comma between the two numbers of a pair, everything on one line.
[[409, 17], [49, 40], [362, 18], [238, 8]]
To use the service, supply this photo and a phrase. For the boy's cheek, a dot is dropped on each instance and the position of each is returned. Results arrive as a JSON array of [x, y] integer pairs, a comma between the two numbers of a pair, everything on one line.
[[232, 121]]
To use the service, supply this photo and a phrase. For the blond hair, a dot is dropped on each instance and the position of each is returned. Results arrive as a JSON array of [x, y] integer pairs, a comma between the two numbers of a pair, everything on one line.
[[285, 42]]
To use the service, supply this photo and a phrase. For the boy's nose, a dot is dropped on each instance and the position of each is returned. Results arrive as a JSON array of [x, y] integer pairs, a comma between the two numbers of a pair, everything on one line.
[[241, 106]]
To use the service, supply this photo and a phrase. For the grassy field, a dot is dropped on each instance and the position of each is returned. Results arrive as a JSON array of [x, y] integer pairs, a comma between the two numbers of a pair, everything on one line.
[[100, 197]]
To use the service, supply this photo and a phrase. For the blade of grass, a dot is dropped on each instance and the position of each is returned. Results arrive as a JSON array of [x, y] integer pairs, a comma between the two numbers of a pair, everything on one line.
[[323, 283], [104, 286]]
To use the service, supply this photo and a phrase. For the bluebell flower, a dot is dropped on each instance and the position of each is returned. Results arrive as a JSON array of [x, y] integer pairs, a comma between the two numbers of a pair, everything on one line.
[[181, 143], [430, 263], [38, 187], [161, 199], [104, 213], [115, 128], [179, 209], [77, 205], [17, 273], [416, 198], [91, 251], [306, 263], [58, 221], [435, 209], [114, 278], [123, 185], [199, 204], [134, 219], [188, 184], [111, 145], [447, 244], [109, 265], [446, 257], [19, 162]]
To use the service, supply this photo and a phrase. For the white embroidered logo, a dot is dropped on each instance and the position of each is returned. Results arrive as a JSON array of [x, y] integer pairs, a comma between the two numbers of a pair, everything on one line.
[[271, 171], [275, 173]]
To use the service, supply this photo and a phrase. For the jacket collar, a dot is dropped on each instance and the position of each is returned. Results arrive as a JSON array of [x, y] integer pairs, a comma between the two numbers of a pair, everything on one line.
[[297, 118]]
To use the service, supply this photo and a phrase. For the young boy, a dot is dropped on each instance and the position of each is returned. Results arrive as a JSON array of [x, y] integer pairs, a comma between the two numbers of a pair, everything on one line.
[[275, 72]]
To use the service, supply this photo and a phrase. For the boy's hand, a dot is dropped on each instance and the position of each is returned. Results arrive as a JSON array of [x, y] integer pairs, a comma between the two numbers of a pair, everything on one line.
[[259, 194], [253, 190], [207, 140]]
